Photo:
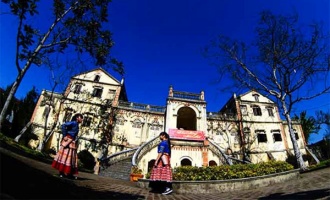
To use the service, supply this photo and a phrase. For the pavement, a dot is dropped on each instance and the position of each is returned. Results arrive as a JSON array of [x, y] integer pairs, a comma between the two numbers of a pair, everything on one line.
[[27, 178]]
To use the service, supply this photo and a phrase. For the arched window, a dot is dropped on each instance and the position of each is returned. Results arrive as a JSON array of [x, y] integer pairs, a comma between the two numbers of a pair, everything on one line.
[[186, 162], [256, 97], [97, 78], [212, 163], [137, 123]]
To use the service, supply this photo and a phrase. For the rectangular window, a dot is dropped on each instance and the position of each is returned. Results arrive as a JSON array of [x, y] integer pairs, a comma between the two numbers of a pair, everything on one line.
[[296, 134], [97, 92], [256, 111], [262, 137], [270, 111], [46, 111], [87, 121], [67, 116], [77, 89], [243, 109], [111, 94], [277, 136]]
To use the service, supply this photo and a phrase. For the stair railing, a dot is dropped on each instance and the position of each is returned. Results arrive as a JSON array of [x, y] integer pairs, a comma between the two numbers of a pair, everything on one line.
[[313, 155], [113, 158], [216, 149], [144, 148], [226, 159]]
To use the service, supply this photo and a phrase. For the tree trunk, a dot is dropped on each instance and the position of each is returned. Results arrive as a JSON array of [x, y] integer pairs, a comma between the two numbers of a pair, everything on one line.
[[8, 100], [12, 92], [22, 131], [296, 150]]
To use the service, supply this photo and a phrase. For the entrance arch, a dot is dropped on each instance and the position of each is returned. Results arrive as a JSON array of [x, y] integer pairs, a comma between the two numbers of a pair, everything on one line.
[[186, 119], [186, 162]]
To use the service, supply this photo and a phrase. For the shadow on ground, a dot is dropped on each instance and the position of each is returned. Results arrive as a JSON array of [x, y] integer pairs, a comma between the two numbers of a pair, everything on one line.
[[20, 181], [313, 194]]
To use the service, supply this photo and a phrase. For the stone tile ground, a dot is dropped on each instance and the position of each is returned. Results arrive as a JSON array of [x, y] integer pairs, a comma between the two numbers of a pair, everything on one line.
[[26, 178]]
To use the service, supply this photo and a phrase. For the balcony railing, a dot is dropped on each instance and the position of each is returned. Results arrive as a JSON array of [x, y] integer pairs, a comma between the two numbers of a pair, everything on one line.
[[140, 106], [217, 115], [186, 95]]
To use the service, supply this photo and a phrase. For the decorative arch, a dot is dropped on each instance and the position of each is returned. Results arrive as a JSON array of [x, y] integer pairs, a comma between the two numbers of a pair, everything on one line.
[[187, 118], [212, 163], [186, 161]]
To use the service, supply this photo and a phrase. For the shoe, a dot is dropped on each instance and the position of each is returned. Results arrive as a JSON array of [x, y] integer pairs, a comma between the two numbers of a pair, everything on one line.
[[72, 177], [167, 191]]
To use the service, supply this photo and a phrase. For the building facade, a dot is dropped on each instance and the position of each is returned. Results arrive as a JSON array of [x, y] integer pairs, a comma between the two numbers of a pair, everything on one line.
[[248, 127]]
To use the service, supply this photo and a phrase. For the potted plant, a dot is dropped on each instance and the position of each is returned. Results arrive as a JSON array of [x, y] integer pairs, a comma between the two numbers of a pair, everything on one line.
[[136, 173]]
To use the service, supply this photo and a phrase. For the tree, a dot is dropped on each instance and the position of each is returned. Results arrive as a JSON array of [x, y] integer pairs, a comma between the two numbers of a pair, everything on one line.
[[308, 124], [283, 63], [76, 26], [23, 115], [323, 118]]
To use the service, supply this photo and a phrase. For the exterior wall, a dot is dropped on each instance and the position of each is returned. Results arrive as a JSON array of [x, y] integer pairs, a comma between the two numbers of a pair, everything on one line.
[[135, 123], [137, 127]]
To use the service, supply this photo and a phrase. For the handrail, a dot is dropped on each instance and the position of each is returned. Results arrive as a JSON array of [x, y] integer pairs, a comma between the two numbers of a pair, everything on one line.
[[238, 160], [228, 159], [216, 149], [142, 149], [313, 155], [113, 158]]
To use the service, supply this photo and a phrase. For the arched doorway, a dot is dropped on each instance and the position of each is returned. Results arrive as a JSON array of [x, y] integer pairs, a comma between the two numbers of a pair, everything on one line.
[[186, 119], [212, 163], [186, 162], [151, 164]]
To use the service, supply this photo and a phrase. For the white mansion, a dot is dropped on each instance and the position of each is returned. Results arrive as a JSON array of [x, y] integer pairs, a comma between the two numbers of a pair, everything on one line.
[[248, 126]]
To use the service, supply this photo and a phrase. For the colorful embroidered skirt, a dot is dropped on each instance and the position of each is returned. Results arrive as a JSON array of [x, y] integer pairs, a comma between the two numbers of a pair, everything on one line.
[[66, 160], [161, 172]]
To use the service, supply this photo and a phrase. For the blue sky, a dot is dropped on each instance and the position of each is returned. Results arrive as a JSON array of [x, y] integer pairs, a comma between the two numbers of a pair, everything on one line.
[[160, 43]]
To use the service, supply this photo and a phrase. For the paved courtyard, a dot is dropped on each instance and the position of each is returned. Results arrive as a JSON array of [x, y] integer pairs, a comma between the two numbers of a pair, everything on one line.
[[26, 178]]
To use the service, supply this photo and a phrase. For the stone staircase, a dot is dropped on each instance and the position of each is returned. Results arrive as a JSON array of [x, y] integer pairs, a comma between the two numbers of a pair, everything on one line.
[[119, 170]]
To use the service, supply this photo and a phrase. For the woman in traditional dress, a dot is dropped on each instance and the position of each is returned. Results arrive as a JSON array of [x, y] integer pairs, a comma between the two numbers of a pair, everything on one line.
[[66, 159], [161, 174]]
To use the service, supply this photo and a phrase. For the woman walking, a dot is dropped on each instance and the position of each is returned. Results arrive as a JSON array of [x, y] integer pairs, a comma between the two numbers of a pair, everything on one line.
[[161, 174], [66, 160]]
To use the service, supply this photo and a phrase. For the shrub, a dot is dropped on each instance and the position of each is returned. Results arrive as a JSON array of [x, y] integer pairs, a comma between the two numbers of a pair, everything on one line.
[[324, 163], [136, 170], [223, 172]]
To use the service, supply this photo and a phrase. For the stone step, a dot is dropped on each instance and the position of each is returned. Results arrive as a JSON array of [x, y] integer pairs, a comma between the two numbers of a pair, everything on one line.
[[120, 170]]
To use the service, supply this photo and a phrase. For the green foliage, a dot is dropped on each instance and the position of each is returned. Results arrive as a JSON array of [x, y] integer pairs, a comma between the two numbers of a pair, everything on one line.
[[9, 143], [223, 172], [324, 163], [136, 170], [308, 124], [21, 110]]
